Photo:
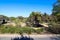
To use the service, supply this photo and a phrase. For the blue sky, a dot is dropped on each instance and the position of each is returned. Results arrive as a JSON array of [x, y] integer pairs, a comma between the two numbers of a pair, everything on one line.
[[25, 7]]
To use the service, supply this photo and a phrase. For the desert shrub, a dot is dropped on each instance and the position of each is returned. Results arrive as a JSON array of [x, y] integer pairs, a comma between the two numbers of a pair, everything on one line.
[[7, 29], [39, 30], [28, 30], [19, 30], [54, 29]]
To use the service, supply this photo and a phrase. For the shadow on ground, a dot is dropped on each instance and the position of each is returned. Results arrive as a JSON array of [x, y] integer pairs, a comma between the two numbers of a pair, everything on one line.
[[23, 38], [55, 38]]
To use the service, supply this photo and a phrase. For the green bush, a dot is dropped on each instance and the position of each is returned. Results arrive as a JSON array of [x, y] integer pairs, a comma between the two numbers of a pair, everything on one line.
[[7, 29], [39, 30], [19, 30], [28, 30]]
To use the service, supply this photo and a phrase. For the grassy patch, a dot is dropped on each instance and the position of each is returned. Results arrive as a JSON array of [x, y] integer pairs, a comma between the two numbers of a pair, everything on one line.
[[19, 30]]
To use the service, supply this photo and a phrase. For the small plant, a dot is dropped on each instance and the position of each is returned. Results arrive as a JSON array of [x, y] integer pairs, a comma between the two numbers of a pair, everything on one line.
[[39, 30]]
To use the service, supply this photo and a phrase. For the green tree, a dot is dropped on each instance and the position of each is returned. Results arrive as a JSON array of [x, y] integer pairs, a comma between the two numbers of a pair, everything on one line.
[[56, 7], [58, 0], [35, 18], [56, 10], [45, 17]]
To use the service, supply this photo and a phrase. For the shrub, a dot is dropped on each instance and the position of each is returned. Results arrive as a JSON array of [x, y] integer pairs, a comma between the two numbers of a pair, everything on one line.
[[19, 30], [7, 29], [39, 30], [54, 29], [28, 30]]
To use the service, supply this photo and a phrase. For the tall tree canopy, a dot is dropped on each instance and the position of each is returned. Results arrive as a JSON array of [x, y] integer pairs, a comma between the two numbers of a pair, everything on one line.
[[56, 10], [34, 18], [58, 0]]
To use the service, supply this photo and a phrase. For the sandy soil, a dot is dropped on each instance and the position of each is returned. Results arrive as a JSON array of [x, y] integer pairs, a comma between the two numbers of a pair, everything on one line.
[[38, 35]]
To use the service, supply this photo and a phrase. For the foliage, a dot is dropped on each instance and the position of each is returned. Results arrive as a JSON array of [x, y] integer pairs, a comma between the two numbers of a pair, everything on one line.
[[56, 7], [4, 17], [45, 18], [18, 30], [56, 10], [54, 28], [39, 30], [22, 19], [58, 0], [12, 18], [34, 18]]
